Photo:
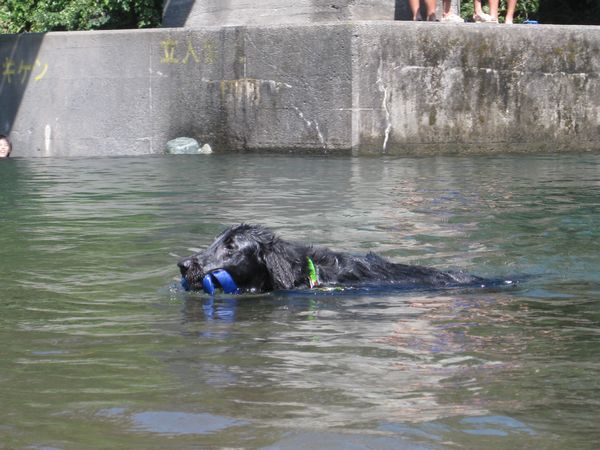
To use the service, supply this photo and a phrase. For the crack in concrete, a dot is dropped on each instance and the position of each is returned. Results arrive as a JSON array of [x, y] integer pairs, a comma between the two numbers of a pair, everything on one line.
[[310, 123], [384, 103]]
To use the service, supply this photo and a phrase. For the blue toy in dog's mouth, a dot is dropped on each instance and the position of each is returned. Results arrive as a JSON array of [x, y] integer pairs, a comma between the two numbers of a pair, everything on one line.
[[217, 279]]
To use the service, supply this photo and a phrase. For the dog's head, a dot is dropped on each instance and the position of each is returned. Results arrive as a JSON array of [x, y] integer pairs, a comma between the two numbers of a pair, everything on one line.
[[254, 256]]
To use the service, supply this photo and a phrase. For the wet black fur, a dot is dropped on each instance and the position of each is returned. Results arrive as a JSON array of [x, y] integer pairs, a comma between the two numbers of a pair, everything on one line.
[[260, 261]]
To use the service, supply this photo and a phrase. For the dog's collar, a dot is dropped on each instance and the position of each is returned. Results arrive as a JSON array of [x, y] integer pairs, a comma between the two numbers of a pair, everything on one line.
[[313, 273]]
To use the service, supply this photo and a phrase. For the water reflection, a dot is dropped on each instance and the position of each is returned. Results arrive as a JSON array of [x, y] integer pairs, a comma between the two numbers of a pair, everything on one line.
[[171, 422], [494, 426], [403, 351]]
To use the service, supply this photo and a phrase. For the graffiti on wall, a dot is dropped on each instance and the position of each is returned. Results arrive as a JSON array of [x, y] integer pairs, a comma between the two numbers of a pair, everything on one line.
[[19, 71], [177, 52]]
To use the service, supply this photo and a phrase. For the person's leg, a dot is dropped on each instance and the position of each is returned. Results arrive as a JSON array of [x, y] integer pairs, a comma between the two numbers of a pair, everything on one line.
[[494, 9], [480, 16], [510, 11], [447, 15], [477, 7], [447, 4], [415, 8], [430, 8]]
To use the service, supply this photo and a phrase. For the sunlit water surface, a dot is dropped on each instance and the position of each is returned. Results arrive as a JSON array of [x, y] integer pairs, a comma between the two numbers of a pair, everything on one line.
[[99, 349]]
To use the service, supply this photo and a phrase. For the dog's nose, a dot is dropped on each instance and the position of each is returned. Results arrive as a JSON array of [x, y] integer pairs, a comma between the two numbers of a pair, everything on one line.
[[184, 265]]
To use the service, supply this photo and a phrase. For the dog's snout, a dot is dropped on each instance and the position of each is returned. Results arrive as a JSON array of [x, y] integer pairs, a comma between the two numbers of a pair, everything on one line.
[[184, 265]]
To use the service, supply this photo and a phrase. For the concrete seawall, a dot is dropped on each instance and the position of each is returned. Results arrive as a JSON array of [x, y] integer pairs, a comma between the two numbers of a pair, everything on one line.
[[372, 87]]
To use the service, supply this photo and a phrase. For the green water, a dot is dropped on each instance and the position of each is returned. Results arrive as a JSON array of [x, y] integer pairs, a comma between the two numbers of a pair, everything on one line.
[[99, 349]]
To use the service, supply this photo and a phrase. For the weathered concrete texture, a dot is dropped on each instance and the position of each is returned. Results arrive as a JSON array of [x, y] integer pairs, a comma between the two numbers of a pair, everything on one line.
[[130, 92], [475, 88], [85, 93], [366, 87]]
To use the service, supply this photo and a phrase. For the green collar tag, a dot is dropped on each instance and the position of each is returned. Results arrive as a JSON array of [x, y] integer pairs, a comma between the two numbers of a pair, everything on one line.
[[313, 276]]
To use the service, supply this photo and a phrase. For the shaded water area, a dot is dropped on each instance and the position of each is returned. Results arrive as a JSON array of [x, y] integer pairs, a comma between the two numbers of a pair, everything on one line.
[[100, 349]]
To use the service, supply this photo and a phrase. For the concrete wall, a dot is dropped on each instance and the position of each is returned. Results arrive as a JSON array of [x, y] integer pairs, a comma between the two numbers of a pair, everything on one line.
[[363, 87], [196, 13], [201, 13], [483, 88]]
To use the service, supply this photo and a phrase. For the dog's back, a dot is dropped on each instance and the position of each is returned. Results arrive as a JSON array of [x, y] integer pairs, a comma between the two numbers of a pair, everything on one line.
[[343, 268]]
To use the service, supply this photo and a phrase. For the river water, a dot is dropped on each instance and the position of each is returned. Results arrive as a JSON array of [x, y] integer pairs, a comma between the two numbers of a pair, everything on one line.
[[100, 349]]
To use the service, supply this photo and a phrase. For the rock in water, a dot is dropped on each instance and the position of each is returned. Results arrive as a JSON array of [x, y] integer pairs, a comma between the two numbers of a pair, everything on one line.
[[206, 149], [183, 146]]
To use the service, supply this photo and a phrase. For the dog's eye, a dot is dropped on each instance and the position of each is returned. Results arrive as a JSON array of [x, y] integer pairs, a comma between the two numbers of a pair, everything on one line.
[[230, 245]]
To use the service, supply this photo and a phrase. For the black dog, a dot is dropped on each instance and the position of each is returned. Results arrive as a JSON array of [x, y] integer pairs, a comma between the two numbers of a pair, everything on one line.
[[259, 261]]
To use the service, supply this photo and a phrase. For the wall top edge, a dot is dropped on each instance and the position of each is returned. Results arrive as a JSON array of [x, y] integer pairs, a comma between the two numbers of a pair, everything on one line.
[[371, 24]]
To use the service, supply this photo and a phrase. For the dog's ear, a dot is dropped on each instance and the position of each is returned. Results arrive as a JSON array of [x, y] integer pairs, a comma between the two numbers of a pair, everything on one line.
[[279, 265]]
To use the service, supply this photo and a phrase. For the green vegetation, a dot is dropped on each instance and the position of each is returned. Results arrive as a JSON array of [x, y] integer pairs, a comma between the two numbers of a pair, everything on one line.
[[18, 16], [525, 9]]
